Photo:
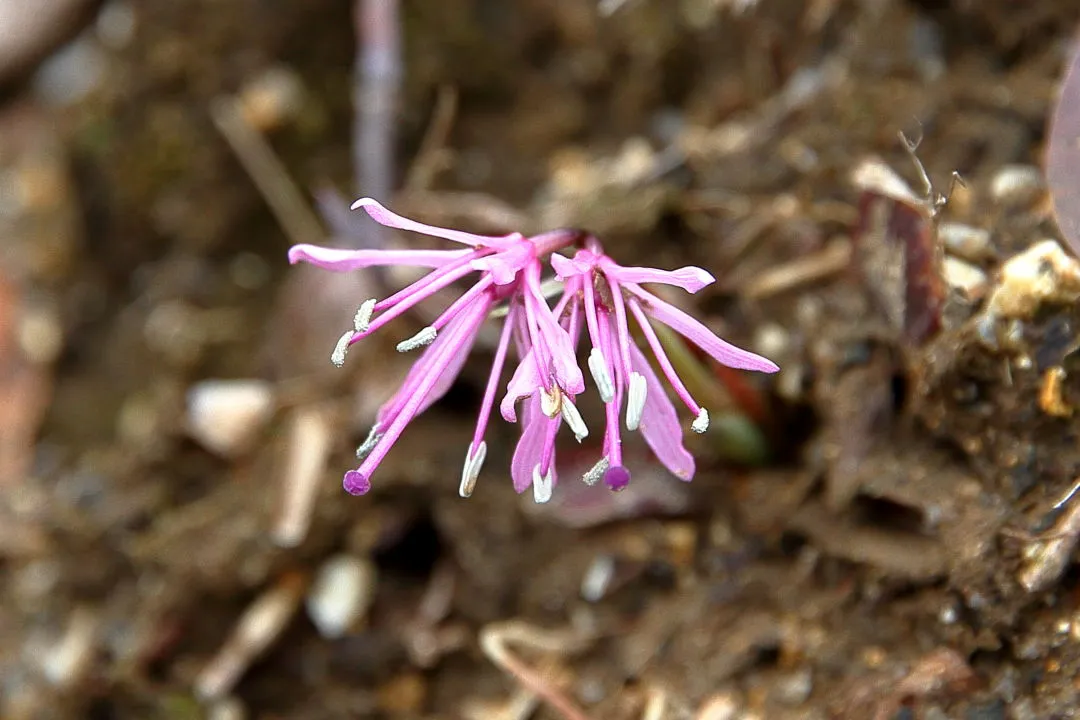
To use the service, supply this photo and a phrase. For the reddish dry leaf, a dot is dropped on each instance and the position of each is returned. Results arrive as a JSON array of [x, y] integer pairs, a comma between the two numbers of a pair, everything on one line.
[[24, 390], [1063, 153], [898, 253]]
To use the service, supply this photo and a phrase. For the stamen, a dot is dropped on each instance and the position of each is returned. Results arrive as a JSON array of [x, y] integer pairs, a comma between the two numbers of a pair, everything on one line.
[[421, 339], [488, 400], [356, 483], [701, 423], [549, 403], [601, 376], [369, 443], [363, 315], [661, 357], [338, 356], [635, 400], [542, 485], [612, 442], [419, 387], [574, 420], [621, 352], [471, 471], [617, 478], [596, 472]]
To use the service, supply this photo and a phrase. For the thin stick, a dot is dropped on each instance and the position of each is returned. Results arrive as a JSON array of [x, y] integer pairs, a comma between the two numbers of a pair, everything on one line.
[[820, 265], [431, 155], [308, 450], [267, 172], [655, 705], [493, 641]]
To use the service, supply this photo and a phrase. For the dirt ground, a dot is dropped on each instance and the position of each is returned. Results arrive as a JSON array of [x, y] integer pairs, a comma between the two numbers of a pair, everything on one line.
[[884, 530]]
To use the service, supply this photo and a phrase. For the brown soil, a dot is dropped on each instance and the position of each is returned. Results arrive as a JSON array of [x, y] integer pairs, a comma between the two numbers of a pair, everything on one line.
[[889, 535]]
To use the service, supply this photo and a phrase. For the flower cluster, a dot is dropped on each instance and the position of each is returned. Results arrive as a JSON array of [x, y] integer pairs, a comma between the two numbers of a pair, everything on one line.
[[597, 298]]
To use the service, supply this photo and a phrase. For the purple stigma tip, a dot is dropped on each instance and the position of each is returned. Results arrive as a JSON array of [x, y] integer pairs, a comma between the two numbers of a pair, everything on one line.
[[356, 483], [617, 478]]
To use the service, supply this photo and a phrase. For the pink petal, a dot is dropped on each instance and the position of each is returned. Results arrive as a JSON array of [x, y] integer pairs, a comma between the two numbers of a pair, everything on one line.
[[383, 216], [345, 260], [723, 352], [565, 368], [446, 380], [565, 268], [510, 259], [502, 272], [530, 447], [524, 382], [689, 278], [660, 423]]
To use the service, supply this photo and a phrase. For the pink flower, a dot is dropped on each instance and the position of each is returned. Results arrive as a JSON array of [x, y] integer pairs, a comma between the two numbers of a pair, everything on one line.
[[597, 296], [621, 371], [509, 270]]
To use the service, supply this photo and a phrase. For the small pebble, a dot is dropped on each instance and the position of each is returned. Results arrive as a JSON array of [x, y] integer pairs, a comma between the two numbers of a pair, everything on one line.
[[795, 688], [116, 24], [965, 241], [965, 278], [69, 658], [719, 707], [71, 74], [229, 708], [1016, 184], [341, 595], [597, 578], [227, 416], [272, 99]]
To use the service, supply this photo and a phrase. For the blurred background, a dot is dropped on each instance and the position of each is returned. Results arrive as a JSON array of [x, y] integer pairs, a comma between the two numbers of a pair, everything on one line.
[[883, 530]]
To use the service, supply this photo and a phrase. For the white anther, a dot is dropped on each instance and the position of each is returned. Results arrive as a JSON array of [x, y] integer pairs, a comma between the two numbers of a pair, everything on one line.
[[542, 485], [338, 356], [701, 423], [420, 339], [363, 315], [573, 419], [601, 376], [635, 400], [471, 471], [372, 439], [596, 472], [549, 403]]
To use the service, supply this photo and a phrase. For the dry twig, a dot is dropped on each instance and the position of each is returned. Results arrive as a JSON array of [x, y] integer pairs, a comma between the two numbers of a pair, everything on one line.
[[829, 261], [267, 172], [494, 639]]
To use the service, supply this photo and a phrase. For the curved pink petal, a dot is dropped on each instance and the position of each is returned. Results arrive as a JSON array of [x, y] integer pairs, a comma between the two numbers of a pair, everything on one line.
[[565, 369], [660, 423], [345, 260], [524, 382], [501, 271], [383, 216], [690, 278], [723, 352], [565, 267], [530, 446]]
